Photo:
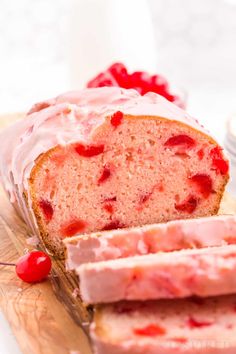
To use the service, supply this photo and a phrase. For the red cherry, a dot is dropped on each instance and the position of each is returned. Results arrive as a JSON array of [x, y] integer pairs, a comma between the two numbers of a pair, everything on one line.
[[188, 206], [141, 80], [117, 118], [181, 139], [33, 267], [89, 150], [117, 75], [159, 85], [171, 98], [203, 183], [151, 330], [218, 162], [119, 72], [103, 79]]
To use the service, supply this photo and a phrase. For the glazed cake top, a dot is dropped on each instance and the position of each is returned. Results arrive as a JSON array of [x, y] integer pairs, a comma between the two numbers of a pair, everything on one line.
[[55, 122]]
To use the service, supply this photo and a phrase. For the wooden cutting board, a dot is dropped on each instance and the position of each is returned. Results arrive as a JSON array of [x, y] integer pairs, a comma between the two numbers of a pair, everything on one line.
[[46, 318]]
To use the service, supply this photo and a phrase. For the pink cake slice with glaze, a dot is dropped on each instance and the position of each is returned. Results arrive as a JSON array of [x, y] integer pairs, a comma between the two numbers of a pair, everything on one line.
[[191, 326], [166, 237], [202, 272], [109, 158]]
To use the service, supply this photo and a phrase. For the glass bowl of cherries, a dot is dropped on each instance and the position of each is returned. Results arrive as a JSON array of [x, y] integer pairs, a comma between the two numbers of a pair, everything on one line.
[[118, 75]]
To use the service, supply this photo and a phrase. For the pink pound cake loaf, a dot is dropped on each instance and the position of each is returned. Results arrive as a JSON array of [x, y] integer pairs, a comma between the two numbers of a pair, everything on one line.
[[109, 158], [202, 272], [171, 236], [191, 326]]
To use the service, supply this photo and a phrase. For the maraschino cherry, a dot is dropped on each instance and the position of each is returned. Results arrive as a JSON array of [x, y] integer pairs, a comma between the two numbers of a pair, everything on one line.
[[33, 267], [118, 75]]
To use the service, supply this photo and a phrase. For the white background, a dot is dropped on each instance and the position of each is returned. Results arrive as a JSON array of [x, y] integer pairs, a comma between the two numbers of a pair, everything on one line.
[[196, 50], [195, 43]]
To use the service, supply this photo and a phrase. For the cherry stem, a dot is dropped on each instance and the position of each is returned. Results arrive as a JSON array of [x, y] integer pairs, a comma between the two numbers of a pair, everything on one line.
[[7, 264]]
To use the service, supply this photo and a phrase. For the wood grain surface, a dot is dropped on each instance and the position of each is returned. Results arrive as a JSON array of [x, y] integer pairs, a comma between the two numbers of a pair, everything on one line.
[[46, 318]]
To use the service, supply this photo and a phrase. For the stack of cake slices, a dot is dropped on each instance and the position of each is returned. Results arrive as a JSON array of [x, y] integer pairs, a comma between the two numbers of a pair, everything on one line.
[[161, 288], [126, 189]]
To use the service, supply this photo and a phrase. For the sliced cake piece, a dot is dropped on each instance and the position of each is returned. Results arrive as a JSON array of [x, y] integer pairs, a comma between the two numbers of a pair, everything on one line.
[[108, 158], [171, 236], [202, 272], [191, 326]]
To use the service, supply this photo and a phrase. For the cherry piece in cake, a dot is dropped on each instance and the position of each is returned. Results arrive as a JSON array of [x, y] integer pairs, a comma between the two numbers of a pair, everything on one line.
[[116, 118], [47, 209], [188, 206], [182, 140], [89, 150], [72, 228], [218, 162], [203, 183], [151, 330]]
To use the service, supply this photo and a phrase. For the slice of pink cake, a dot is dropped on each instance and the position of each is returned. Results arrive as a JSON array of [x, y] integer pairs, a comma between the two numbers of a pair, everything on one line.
[[191, 326], [108, 158], [202, 272], [170, 236]]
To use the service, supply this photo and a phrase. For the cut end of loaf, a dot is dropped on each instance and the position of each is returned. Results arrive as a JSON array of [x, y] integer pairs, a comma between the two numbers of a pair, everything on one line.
[[189, 326], [134, 172]]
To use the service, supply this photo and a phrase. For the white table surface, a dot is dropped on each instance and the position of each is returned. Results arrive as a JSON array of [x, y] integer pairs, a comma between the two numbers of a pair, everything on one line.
[[8, 344], [212, 108]]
